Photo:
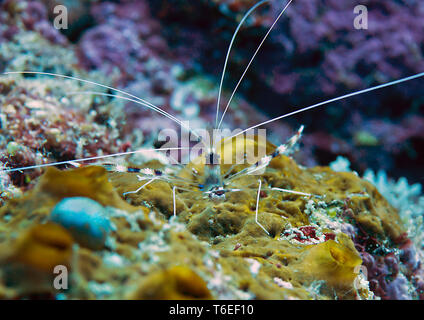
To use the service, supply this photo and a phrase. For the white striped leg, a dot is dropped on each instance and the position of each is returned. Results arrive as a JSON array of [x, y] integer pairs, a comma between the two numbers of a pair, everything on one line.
[[296, 192], [174, 197], [174, 200], [136, 191], [257, 207], [292, 191]]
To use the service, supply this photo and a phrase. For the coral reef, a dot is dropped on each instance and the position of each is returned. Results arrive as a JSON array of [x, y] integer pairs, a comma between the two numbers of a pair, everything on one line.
[[354, 238], [27, 266], [37, 128], [7, 189], [176, 283], [398, 273], [313, 243]]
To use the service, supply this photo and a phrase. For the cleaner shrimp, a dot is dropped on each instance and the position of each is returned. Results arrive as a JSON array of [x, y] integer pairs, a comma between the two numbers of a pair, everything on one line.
[[210, 180]]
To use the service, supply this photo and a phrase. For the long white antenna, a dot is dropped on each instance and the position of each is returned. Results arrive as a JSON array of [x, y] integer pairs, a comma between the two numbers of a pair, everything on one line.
[[145, 103], [97, 93], [136, 191], [251, 60], [228, 54], [82, 80], [89, 159], [162, 112], [384, 85]]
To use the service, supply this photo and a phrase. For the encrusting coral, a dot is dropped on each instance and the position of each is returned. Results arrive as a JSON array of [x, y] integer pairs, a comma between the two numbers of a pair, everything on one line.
[[311, 252], [42, 247], [175, 283], [28, 262]]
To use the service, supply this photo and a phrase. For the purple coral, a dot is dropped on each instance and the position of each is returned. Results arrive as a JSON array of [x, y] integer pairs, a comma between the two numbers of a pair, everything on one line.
[[120, 38]]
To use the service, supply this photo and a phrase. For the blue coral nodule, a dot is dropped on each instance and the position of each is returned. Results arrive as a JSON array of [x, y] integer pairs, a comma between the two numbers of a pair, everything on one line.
[[85, 219]]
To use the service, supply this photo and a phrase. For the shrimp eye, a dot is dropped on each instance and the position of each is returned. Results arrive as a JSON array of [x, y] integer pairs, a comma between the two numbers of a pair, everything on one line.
[[212, 158]]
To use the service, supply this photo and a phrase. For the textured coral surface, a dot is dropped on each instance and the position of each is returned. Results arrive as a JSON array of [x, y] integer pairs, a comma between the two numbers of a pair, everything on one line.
[[314, 249]]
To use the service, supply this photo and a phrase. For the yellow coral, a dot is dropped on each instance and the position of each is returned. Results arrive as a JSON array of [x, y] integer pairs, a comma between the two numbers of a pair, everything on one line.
[[333, 262], [91, 182], [43, 247], [228, 226], [175, 283]]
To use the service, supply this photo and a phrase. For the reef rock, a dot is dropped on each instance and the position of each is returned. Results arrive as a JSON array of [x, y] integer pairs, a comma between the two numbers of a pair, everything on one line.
[[315, 247]]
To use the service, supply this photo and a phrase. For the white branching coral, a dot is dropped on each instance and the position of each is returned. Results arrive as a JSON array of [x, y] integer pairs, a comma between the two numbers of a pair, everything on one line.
[[399, 193], [341, 164], [408, 199]]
